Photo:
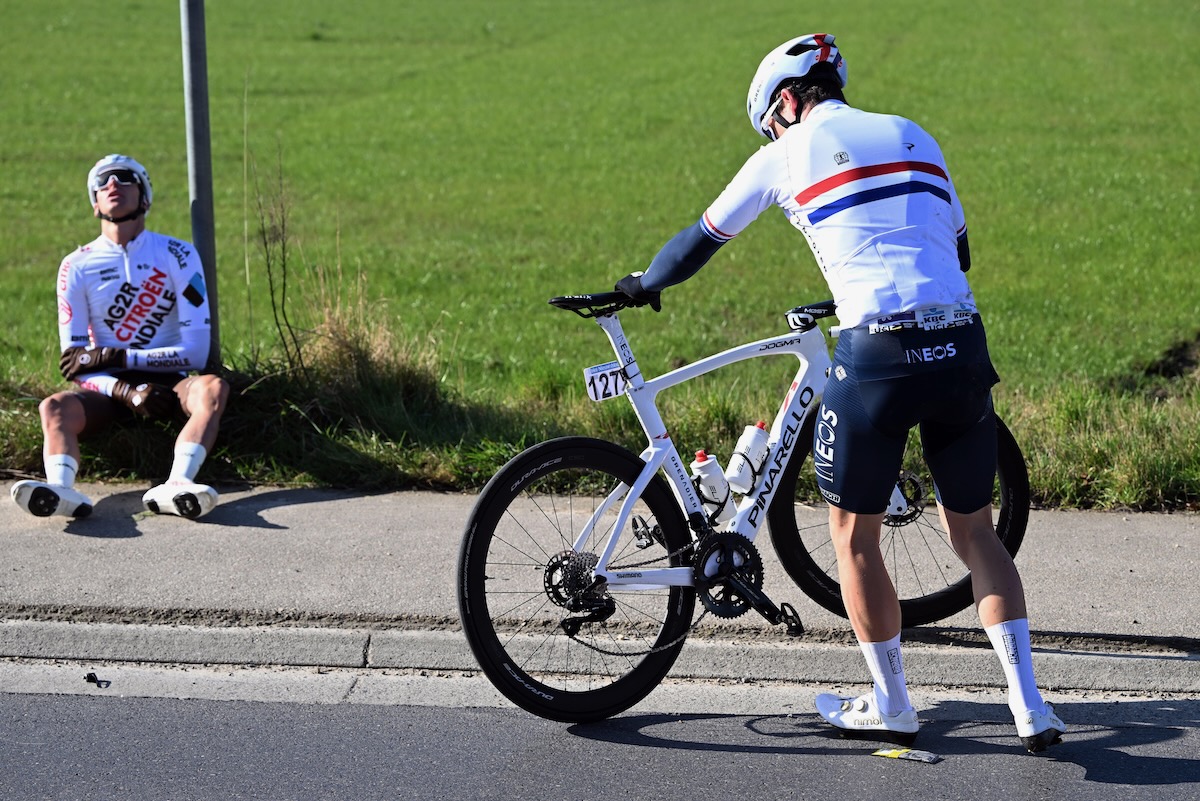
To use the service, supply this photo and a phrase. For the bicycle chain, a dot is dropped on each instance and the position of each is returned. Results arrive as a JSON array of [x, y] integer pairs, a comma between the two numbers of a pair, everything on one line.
[[654, 650], [676, 552]]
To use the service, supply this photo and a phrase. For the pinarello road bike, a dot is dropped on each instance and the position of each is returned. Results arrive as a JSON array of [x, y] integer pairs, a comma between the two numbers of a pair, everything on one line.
[[582, 562]]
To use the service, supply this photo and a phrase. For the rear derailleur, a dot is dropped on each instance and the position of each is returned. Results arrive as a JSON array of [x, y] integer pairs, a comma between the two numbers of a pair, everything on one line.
[[569, 584]]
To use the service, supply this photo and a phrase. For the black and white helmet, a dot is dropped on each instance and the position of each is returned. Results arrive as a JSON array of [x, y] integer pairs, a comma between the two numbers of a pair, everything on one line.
[[101, 173], [792, 59]]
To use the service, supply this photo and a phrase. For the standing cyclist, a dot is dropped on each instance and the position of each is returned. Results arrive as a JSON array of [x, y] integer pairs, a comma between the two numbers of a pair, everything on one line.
[[133, 321], [872, 195]]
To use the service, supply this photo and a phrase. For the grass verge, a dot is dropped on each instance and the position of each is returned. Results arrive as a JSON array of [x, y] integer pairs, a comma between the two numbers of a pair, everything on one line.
[[372, 412]]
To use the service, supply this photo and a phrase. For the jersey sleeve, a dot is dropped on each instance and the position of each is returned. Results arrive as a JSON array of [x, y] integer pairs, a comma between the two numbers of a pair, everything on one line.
[[755, 188], [958, 219], [751, 191], [72, 307], [98, 382]]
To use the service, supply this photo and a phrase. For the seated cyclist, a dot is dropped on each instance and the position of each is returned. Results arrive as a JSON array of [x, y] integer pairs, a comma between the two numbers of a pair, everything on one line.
[[873, 197], [133, 324]]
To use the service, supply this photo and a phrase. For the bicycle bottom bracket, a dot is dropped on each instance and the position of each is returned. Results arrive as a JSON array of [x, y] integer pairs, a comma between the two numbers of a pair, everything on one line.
[[568, 574], [726, 571]]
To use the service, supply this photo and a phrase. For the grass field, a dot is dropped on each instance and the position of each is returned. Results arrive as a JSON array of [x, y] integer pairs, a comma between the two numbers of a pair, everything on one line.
[[458, 163]]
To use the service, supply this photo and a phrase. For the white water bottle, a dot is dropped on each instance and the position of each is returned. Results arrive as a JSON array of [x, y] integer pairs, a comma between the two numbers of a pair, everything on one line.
[[713, 488], [748, 456]]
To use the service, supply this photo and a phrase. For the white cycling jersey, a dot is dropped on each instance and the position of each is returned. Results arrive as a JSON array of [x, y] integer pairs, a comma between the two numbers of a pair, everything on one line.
[[872, 195], [148, 297]]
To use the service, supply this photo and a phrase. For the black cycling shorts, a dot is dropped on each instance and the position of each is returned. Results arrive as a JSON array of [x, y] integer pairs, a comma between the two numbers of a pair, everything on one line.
[[884, 383], [101, 411]]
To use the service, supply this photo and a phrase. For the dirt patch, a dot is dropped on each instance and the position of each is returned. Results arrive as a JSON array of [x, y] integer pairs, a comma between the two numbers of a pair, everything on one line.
[[1177, 369]]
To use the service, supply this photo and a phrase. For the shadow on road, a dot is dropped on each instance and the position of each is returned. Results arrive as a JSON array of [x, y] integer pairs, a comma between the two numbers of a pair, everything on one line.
[[1113, 742], [118, 516]]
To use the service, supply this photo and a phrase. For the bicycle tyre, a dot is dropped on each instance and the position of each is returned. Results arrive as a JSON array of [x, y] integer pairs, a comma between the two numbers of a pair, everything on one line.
[[512, 583], [922, 563]]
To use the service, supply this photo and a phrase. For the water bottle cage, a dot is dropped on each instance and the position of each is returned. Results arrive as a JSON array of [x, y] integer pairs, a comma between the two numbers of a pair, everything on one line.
[[755, 472], [719, 503]]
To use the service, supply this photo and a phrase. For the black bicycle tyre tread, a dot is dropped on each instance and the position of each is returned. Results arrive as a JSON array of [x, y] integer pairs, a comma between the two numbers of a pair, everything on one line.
[[514, 683], [824, 589]]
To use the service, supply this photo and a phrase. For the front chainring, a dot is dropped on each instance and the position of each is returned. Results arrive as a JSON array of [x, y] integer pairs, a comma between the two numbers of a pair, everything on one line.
[[720, 556]]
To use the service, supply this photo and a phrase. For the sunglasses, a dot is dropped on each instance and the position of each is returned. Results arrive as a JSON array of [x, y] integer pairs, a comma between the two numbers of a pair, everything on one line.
[[772, 108], [123, 177]]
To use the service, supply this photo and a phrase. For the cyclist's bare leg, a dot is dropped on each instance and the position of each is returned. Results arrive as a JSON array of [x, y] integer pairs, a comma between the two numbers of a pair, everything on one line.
[[203, 398], [867, 589], [999, 595], [1000, 600], [873, 609], [66, 416]]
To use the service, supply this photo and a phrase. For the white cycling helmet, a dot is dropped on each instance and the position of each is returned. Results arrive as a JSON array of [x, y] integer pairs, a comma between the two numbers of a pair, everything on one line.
[[115, 162], [792, 59]]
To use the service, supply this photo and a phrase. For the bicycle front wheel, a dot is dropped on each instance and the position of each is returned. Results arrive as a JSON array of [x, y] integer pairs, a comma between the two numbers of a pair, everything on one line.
[[550, 641], [931, 581]]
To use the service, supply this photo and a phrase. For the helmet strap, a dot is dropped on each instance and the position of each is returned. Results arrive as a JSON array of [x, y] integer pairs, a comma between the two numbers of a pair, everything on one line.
[[133, 215]]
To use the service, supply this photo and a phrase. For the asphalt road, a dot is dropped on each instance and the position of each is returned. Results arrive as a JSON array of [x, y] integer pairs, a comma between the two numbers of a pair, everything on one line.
[[154, 732]]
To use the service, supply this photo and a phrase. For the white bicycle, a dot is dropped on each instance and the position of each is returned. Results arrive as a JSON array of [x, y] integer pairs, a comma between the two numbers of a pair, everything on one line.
[[581, 562]]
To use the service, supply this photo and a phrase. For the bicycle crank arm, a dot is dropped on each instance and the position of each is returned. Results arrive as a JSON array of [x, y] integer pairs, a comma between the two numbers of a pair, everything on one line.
[[759, 601]]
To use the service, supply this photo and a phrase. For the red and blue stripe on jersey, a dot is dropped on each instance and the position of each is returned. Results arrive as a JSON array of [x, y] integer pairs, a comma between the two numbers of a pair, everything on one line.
[[874, 193], [713, 232]]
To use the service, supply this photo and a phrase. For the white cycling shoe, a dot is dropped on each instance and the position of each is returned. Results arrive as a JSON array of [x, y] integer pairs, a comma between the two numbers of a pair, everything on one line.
[[860, 717], [183, 498], [43, 500], [1040, 729]]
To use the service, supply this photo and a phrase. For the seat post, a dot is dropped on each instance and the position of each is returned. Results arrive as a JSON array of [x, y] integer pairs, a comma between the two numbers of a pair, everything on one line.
[[620, 345]]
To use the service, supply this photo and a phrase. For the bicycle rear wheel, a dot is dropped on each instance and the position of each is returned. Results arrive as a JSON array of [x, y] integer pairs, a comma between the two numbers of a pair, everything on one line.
[[518, 573], [930, 579]]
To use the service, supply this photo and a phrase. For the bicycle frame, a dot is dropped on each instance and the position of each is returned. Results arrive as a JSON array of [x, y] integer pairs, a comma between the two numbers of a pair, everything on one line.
[[802, 399]]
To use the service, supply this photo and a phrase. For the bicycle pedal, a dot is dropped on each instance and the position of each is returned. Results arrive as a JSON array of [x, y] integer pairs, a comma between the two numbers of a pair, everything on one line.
[[789, 617]]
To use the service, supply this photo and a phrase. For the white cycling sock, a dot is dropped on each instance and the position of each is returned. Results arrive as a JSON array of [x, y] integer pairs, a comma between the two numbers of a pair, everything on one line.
[[188, 458], [60, 469], [1010, 640], [887, 668]]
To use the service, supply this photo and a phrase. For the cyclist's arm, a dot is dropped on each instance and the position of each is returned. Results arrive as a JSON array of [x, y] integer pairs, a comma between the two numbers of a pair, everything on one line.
[[959, 219], [190, 354], [97, 382], [751, 191], [72, 307], [191, 304], [680, 258]]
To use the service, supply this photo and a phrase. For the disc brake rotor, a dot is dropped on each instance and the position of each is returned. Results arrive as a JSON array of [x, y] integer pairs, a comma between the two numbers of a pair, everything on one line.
[[914, 492]]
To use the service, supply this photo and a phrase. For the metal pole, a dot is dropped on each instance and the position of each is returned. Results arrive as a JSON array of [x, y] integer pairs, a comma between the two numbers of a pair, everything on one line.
[[195, 87]]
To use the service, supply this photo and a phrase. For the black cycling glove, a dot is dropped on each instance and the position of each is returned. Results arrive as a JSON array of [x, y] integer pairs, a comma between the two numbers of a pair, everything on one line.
[[90, 360], [631, 285], [147, 400]]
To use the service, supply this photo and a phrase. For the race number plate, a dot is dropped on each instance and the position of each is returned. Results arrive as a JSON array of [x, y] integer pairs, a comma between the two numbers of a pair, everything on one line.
[[605, 381]]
